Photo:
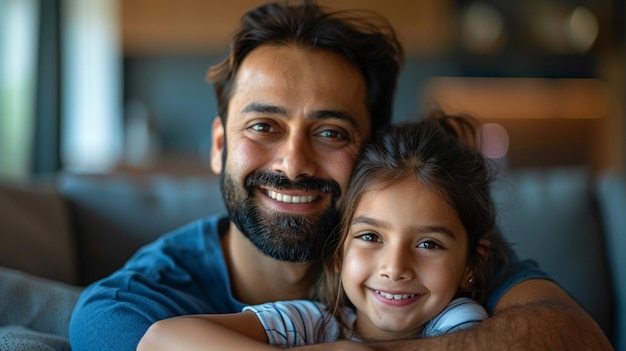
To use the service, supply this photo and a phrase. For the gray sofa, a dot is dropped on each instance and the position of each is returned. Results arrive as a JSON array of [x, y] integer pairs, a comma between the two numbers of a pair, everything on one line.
[[59, 234]]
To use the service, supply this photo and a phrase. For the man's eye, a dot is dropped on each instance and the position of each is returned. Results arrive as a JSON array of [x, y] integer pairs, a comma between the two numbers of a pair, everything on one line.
[[370, 237], [261, 127], [333, 134], [430, 245]]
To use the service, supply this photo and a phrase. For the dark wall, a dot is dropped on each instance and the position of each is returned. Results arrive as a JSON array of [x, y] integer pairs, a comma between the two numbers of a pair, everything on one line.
[[182, 105]]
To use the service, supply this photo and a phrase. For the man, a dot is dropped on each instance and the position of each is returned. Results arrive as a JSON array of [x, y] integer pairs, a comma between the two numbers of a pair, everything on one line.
[[301, 91]]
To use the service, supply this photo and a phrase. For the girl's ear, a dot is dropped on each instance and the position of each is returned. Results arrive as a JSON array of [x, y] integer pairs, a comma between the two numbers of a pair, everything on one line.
[[217, 146], [468, 278], [470, 272]]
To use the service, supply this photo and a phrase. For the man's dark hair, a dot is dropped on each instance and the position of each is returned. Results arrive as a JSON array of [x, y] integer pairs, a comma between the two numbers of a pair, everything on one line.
[[364, 38]]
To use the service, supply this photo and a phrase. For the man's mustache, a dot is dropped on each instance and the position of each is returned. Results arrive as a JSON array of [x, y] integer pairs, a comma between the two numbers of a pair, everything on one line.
[[281, 182]]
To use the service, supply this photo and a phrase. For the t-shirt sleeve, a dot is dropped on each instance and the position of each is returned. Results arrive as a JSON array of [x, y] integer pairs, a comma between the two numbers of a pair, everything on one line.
[[296, 323], [181, 273], [461, 313], [517, 272]]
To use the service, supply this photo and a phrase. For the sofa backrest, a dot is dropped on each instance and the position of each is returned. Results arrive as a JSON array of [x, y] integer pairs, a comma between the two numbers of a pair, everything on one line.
[[113, 215], [573, 224], [35, 231], [551, 216], [612, 203]]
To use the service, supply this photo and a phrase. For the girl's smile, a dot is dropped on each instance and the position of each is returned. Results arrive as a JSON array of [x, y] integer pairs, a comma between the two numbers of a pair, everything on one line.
[[395, 299]]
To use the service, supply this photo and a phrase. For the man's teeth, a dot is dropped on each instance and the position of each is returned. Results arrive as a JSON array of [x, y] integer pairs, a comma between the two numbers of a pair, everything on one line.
[[290, 199], [395, 296]]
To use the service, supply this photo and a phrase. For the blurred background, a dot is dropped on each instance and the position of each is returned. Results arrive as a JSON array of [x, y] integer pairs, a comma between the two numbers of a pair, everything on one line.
[[119, 85]]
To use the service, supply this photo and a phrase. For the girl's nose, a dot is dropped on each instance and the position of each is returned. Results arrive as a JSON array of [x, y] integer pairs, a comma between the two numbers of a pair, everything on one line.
[[396, 264]]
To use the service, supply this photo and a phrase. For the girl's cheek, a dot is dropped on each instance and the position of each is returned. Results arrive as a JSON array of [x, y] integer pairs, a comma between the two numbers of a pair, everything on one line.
[[355, 262]]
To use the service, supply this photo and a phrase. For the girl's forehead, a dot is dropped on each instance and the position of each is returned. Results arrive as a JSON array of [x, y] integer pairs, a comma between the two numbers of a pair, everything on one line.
[[404, 204], [384, 183]]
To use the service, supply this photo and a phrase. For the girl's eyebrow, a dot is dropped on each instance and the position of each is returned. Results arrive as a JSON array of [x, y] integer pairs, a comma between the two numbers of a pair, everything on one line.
[[259, 107], [418, 229], [438, 229], [367, 220]]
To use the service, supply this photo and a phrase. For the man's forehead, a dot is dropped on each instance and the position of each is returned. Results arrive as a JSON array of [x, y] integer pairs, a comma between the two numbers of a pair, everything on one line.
[[283, 78], [270, 61]]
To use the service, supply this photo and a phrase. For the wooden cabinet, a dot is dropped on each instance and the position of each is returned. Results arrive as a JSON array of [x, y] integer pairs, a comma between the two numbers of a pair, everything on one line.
[[203, 26]]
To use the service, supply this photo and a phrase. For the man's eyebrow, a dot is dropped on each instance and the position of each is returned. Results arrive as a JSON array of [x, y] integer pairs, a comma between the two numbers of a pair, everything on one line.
[[333, 114], [258, 107], [265, 108]]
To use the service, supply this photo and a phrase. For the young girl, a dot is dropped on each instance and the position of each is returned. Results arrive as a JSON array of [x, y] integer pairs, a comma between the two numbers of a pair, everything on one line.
[[418, 239]]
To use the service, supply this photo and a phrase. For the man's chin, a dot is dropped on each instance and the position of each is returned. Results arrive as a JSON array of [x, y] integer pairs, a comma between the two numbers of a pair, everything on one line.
[[284, 237], [289, 245]]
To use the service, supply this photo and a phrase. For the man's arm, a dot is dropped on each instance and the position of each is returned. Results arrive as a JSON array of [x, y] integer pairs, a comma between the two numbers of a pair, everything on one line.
[[533, 315]]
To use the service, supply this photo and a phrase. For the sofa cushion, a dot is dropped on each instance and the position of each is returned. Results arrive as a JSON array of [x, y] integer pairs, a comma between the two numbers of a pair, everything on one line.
[[35, 232], [18, 338], [34, 312]]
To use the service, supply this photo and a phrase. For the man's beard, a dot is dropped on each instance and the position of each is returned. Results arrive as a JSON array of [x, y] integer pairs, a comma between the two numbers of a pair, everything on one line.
[[285, 237]]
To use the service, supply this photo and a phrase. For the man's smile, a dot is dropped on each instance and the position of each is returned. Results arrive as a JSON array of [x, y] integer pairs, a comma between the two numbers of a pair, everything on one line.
[[290, 199]]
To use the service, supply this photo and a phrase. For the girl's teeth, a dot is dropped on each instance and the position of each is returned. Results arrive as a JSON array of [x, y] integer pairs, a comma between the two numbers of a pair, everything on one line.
[[395, 296], [290, 199]]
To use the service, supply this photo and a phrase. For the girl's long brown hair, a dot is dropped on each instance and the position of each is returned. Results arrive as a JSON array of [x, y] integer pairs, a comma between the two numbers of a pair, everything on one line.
[[443, 153]]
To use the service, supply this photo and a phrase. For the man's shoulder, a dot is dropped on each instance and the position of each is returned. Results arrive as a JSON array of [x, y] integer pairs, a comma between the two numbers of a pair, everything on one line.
[[208, 228], [200, 237]]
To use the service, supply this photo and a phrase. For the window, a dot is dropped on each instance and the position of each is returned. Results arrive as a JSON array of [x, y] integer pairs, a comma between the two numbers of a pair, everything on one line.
[[18, 44]]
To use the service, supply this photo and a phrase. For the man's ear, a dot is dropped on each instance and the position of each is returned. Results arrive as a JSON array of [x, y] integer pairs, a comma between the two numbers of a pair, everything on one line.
[[217, 146]]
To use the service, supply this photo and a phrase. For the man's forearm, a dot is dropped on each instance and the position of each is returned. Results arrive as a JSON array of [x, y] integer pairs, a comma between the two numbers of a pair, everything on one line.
[[540, 325], [533, 315]]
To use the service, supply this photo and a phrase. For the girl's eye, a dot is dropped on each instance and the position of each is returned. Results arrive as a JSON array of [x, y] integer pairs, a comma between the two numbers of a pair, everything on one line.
[[429, 245], [370, 237]]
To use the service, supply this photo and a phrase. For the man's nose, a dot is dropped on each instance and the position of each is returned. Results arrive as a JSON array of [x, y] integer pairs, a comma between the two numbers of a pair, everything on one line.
[[296, 157]]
